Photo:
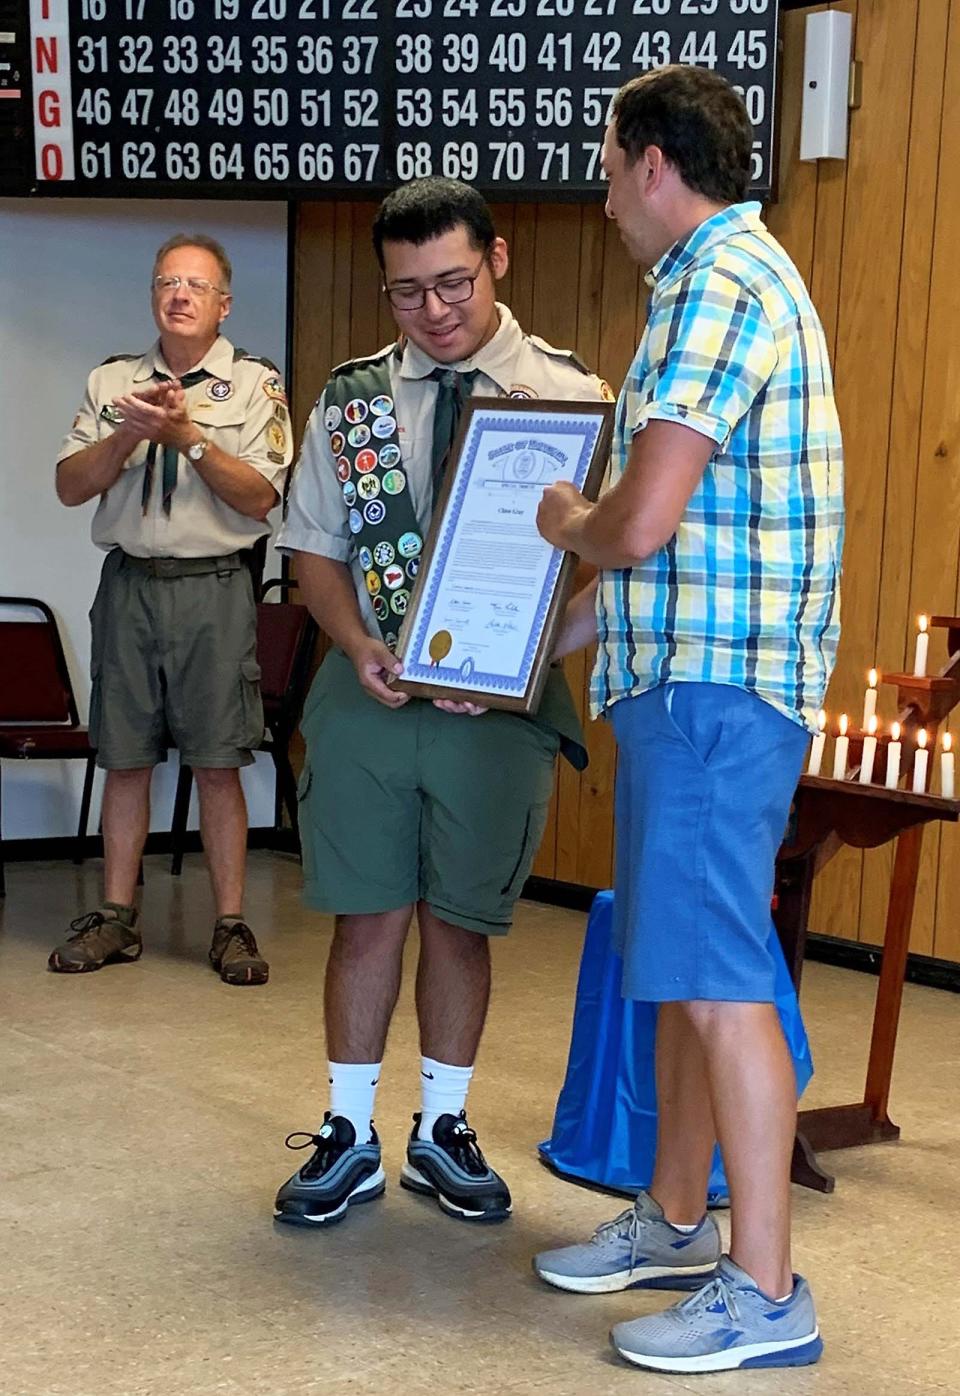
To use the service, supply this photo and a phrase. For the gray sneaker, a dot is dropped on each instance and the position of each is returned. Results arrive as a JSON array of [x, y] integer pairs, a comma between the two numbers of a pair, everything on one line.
[[639, 1249], [726, 1325], [102, 937], [339, 1173]]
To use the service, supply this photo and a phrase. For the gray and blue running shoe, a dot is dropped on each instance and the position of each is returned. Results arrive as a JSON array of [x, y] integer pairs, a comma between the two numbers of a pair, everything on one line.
[[451, 1168], [339, 1173], [728, 1324], [639, 1249]]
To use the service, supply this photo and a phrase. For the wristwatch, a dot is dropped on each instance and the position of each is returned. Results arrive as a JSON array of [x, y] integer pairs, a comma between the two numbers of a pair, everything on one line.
[[197, 451]]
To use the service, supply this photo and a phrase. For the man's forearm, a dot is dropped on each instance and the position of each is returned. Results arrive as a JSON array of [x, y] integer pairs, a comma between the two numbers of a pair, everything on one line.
[[327, 587], [94, 469], [579, 626], [235, 482]]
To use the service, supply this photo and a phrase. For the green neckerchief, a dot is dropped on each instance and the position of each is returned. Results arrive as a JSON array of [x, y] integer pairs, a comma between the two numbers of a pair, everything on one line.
[[171, 456]]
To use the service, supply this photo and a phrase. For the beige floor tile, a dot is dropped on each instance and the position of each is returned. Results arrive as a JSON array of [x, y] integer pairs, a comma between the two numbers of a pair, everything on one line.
[[142, 1118]]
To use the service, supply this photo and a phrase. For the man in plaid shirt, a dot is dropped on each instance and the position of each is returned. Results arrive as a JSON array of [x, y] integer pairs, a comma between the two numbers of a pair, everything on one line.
[[716, 612]]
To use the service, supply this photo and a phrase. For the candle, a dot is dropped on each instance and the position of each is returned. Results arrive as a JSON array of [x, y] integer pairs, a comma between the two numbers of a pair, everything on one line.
[[869, 752], [946, 767], [870, 699], [893, 757], [923, 640], [819, 742], [920, 763], [840, 751]]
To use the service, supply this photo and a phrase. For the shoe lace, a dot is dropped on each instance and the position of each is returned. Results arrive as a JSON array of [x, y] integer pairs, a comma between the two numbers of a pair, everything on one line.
[[328, 1150], [717, 1296], [463, 1148], [624, 1227], [246, 941], [85, 926]]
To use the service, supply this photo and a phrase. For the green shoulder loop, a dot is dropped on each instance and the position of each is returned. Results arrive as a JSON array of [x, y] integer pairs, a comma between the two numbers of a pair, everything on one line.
[[566, 354]]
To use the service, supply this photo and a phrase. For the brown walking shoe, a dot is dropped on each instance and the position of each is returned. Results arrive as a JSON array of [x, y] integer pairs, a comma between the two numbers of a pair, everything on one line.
[[102, 937], [234, 953]]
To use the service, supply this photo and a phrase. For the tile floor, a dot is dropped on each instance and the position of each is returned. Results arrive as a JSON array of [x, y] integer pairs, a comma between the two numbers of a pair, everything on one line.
[[142, 1118]]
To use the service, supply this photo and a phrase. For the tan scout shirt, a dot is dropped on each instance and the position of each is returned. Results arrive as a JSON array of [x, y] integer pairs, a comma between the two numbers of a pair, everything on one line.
[[241, 406], [512, 364]]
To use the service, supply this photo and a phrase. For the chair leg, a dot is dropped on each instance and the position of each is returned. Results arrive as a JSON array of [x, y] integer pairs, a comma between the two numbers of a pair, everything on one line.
[[181, 808], [3, 881], [85, 798], [287, 789]]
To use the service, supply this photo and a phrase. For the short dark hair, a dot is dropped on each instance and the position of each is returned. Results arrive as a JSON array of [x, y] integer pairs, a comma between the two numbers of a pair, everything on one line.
[[201, 240], [699, 123], [427, 208]]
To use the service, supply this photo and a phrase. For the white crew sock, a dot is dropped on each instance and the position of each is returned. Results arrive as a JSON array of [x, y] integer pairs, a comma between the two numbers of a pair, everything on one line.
[[353, 1086], [443, 1092]]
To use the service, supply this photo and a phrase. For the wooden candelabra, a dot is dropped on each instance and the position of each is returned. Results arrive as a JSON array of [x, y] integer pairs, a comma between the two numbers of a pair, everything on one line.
[[828, 814]]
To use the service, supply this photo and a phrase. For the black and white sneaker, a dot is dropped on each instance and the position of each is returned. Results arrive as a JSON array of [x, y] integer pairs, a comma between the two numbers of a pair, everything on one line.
[[451, 1168], [339, 1173]]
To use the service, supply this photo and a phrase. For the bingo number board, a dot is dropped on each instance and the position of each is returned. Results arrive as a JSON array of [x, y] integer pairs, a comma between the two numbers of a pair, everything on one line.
[[309, 98]]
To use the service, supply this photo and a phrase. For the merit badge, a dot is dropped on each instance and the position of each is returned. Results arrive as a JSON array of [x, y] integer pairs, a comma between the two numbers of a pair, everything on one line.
[[366, 558], [381, 405], [349, 493], [356, 521], [355, 411], [337, 443], [380, 608], [368, 486], [374, 511], [384, 427], [393, 576], [343, 470], [274, 389], [389, 455], [521, 390], [399, 602], [413, 567], [219, 390], [366, 461], [409, 544], [358, 436], [373, 583], [277, 436], [394, 482], [332, 417], [383, 554]]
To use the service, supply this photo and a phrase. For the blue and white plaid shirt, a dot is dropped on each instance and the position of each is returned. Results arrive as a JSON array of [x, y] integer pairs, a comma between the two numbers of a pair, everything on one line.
[[746, 591]]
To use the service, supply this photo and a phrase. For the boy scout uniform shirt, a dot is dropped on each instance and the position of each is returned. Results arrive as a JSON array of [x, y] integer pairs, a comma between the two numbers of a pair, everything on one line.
[[511, 364], [240, 405]]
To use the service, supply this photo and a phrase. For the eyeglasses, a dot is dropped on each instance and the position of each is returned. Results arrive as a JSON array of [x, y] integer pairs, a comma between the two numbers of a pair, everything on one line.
[[196, 285], [452, 290]]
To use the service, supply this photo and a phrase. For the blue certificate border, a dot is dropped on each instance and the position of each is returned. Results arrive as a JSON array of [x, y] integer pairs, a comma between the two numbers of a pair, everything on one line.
[[587, 426]]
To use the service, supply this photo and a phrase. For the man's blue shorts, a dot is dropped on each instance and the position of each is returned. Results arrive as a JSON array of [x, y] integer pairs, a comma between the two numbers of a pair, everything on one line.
[[705, 777]]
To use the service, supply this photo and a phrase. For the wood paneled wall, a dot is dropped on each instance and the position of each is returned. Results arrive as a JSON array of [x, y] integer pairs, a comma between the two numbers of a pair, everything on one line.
[[877, 238]]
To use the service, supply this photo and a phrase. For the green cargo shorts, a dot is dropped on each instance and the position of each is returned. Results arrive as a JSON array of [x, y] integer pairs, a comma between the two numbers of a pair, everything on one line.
[[174, 662], [410, 804]]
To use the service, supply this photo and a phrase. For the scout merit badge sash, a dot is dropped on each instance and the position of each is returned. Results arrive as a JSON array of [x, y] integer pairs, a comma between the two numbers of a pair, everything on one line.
[[360, 419], [361, 422]]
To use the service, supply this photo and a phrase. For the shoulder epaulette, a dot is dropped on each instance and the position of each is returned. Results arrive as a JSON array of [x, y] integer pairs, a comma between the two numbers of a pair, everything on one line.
[[362, 362], [566, 354], [121, 359], [255, 359]]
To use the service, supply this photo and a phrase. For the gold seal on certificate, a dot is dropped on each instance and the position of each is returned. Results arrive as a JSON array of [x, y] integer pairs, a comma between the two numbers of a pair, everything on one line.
[[479, 627]]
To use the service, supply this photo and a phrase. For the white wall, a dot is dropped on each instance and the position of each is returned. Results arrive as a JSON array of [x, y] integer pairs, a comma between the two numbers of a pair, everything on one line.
[[73, 289]]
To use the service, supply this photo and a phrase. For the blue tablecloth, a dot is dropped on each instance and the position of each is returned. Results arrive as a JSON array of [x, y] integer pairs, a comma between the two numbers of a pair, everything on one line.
[[605, 1126]]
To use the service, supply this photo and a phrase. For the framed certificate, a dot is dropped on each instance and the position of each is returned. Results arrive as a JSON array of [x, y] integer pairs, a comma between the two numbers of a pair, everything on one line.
[[490, 591]]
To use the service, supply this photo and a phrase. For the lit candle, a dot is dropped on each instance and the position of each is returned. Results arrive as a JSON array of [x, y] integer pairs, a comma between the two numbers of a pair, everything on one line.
[[840, 751], [819, 742], [869, 753], [870, 699], [893, 757], [923, 640], [920, 763], [946, 767]]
